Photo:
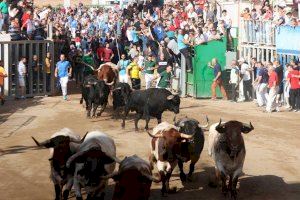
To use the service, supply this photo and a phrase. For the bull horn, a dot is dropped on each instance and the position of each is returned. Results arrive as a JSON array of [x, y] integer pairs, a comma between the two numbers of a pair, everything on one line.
[[174, 119], [108, 176], [207, 123], [153, 179], [170, 97], [73, 157], [78, 141], [39, 144], [160, 135], [118, 88], [220, 122], [250, 126], [186, 136], [117, 160]]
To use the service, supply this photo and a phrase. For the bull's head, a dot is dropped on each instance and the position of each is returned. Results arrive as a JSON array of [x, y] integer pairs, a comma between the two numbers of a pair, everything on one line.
[[170, 143], [133, 180], [190, 126], [231, 131], [173, 103], [61, 146], [102, 89], [93, 160]]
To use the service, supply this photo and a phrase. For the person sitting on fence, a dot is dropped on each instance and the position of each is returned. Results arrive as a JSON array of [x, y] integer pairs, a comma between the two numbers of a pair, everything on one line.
[[3, 75]]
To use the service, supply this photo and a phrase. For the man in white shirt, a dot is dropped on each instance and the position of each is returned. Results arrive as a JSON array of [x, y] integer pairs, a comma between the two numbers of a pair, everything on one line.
[[21, 76], [234, 80], [247, 85]]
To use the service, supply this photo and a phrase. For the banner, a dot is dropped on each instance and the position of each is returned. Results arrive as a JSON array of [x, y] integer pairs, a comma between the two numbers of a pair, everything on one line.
[[288, 40]]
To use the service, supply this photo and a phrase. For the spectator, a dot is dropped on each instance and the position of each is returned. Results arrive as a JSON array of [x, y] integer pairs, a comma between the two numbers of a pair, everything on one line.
[[63, 71], [245, 73], [273, 90], [260, 84], [3, 75], [234, 80], [4, 15], [287, 86], [150, 66], [133, 71], [164, 78], [22, 74], [122, 66], [35, 72], [183, 46], [47, 70], [294, 80], [107, 54], [217, 81]]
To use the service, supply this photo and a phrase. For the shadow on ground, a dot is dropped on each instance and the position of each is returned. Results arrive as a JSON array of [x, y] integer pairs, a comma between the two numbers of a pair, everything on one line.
[[264, 187]]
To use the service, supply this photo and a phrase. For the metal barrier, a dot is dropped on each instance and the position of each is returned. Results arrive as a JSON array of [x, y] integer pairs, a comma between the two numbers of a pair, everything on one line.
[[257, 32], [261, 53], [37, 82]]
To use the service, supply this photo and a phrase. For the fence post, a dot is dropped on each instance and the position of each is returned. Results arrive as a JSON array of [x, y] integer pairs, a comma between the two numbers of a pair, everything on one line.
[[183, 77], [6, 67]]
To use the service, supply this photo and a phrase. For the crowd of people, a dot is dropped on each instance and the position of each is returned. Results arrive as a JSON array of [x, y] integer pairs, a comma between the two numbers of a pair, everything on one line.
[[260, 22], [272, 86], [147, 40]]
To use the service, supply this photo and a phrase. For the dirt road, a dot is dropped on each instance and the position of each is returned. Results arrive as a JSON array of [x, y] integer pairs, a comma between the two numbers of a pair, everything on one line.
[[272, 166]]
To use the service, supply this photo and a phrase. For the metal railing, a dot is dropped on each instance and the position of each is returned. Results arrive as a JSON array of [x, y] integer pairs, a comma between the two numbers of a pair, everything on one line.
[[38, 82], [257, 32]]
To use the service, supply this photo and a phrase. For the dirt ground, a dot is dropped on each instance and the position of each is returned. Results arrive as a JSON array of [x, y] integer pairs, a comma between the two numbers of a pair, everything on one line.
[[272, 165]]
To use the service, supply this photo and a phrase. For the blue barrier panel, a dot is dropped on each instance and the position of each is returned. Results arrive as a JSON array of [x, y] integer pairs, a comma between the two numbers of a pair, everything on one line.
[[288, 40]]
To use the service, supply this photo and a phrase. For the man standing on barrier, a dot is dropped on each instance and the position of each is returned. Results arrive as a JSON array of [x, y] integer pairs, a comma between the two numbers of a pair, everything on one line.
[[63, 71]]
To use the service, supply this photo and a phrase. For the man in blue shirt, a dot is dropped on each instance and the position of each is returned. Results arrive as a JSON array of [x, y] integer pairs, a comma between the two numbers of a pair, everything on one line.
[[62, 71], [217, 81], [183, 46], [122, 66]]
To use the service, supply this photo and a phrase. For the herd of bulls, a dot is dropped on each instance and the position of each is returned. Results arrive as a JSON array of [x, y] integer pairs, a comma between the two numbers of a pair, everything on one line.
[[89, 162]]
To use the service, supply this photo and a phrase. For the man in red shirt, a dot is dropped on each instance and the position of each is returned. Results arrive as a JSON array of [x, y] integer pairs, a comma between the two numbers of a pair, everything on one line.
[[274, 88], [294, 80], [99, 52], [107, 54]]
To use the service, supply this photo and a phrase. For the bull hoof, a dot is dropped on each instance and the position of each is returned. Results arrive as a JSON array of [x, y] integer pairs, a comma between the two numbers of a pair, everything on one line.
[[233, 194], [182, 177], [190, 178], [172, 190], [224, 191], [136, 130]]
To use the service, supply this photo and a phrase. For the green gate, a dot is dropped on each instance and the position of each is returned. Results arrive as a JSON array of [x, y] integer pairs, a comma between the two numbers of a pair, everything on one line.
[[199, 82]]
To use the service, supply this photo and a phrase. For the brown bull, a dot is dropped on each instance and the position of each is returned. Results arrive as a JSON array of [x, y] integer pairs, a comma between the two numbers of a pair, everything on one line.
[[165, 146], [108, 74]]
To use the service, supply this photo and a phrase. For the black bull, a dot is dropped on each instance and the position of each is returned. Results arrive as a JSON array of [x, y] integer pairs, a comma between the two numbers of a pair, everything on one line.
[[151, 103], [95, 93]]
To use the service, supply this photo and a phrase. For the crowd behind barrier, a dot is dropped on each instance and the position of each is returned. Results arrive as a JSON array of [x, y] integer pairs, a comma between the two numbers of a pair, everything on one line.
[[146, 40]]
